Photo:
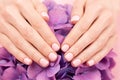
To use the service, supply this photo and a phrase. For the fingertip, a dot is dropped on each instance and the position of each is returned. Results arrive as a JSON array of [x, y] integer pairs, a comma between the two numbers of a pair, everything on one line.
[[55, 47], [65, 47], [69, 57], [90, 62], [76, 62], [27, 61], [52, 56], [75, 19], [45, 15], [44, 63]]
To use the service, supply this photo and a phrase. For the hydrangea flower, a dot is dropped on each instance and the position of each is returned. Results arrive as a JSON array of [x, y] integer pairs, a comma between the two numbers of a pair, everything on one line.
[[11, 69]]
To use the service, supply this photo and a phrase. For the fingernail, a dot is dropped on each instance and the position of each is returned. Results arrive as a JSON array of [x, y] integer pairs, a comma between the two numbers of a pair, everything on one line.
[[76, 62], [75, 18], [52, 56], [44, 14], [69, 56], [27, 61], [91, 62], [55, 47], [65, 47], [44, 62]]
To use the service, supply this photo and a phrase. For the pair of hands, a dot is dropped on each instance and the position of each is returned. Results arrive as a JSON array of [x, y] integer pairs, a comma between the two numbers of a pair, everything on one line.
[[26, 35]]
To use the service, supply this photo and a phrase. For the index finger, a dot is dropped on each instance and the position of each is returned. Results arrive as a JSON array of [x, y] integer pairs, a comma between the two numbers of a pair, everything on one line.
[[38, 23]]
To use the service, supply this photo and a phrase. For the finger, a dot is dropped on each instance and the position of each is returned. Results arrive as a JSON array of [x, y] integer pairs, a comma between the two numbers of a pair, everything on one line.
[[13, 17], [38, 23], [6, 43], [81, 27], [94, 47], [22, 44], [91, 35], [100, 55], [77, 11], [41, 9]]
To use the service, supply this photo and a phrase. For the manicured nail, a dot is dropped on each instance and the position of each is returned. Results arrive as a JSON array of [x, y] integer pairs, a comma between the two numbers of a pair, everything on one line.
[[27, 61], [91, 62], [44, 14], [55, 47], [75, 19], [76, 62], [52, 56], [65, 47], [44, 62], [69, 56]]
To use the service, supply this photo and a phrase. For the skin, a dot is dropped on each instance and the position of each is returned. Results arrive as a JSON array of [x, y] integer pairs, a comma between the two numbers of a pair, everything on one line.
[[29, 42], [93, 35], [32, 39]]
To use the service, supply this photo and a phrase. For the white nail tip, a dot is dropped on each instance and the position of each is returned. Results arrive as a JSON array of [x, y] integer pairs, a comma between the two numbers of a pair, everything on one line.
[[65, 47], [52, 56], [69, 57], [44, 62], [91, 62], [27, 61], [44, 14], [55, 47], [75, 18]]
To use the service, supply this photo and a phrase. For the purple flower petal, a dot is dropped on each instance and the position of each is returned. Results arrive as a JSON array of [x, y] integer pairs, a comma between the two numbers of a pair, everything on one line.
[[103, 64], [1, 71], [60, 16], [42, 76], [4, 54], [52, 70], [21, 69], [106, 75], [33, 70], [5, 63], [93, 74], [10, 74]]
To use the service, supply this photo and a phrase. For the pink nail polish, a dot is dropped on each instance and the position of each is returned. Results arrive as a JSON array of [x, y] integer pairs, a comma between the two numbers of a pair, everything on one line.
[[65, 47], [69, 56], [44, 14], [91, 62], [44, 62], [55, 47], [74, 19], [52, 56], [27, 61], [76, 62]]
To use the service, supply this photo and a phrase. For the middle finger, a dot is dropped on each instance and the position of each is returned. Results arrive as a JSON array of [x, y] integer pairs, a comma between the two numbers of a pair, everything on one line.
[[13, 16]]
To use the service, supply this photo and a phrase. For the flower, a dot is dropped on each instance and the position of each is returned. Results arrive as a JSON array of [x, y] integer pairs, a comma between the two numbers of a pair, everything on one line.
[[11, 69]]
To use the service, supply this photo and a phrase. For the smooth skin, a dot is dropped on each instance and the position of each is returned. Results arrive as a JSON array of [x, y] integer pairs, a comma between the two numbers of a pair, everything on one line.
[[93, 35], [25, 33]]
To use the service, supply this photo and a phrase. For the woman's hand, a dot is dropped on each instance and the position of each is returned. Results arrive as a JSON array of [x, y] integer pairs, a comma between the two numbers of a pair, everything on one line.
[[93, 35], [24, 32]]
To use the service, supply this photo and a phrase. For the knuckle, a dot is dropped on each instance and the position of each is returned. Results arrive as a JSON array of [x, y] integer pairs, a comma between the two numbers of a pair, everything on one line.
[[96, 7], [27, 32], [99, 7], [91, 37], [84, 26], [6, 13]]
